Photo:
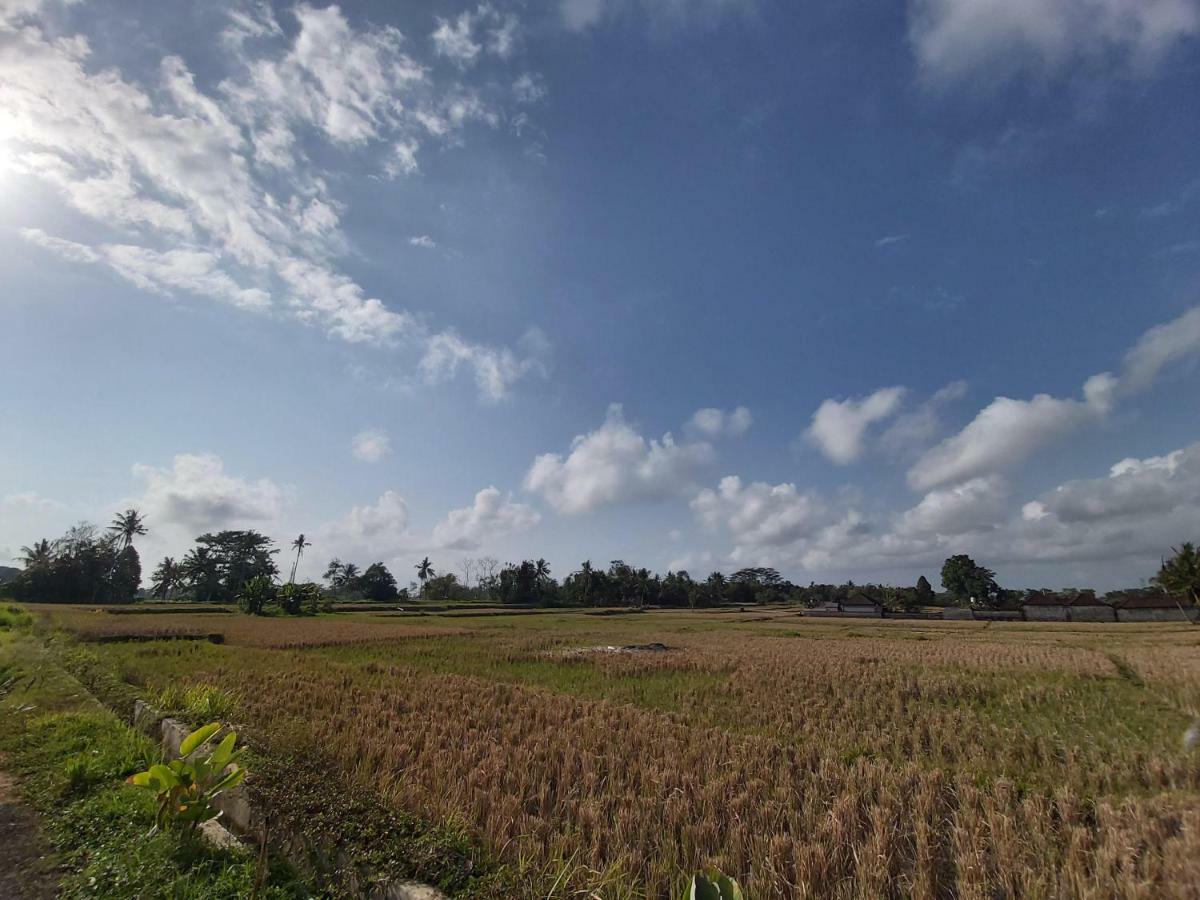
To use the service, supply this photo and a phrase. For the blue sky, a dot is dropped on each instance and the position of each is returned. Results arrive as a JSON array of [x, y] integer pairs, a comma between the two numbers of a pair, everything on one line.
[[700, 283]]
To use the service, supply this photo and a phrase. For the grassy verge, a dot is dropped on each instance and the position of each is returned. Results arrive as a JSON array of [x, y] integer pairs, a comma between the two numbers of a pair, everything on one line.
[[341, 830], [71, 757]]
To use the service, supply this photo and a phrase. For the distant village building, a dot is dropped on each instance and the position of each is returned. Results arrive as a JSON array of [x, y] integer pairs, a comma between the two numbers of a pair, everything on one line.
[[1044, 606], [859, 604], [1086, 607], [1151, 606], [1077, 606], [825, 608]]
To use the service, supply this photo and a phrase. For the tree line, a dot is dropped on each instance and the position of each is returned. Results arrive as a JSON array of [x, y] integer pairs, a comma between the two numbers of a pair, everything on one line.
[[93, 565]]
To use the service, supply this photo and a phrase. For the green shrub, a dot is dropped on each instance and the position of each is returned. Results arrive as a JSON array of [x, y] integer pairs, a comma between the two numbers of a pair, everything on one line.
[[299, 599], [185, 788], [13, 618], [256, 595], [712, 884]]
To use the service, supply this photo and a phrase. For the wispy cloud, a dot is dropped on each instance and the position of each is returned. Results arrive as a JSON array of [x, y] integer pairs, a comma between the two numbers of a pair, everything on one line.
[[214, 190], [890, 239]]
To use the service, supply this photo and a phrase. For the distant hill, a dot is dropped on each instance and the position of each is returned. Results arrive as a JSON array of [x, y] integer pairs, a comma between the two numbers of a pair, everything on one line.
[[8, 573]]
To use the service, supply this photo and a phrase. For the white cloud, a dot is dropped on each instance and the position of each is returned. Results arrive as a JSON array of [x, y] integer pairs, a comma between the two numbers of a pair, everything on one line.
[[1003, 433], [214, 189], [529, 88], [371, 445], [188, 269], [491, 516], [1160, 346], [711, 422], [914, 431], [839, 426], [889, 239], [1137, 511], [197, 493], [994, 40], [423, 241], [378, 530], [615, 464], [495, 368], [975, 505], [1007, 431], [1134, 487], [759, 515], [473, 33]]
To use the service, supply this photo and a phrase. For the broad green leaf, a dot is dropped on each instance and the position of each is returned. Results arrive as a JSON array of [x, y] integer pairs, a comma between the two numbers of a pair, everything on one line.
[[224, 753], [164, 775], [714, 885], [233, 779], [198, 737]]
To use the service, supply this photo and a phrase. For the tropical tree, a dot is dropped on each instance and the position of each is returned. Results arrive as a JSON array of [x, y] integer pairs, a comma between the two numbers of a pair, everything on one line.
[[84, 565], [299, 545], [1181, 573], [166, 578], [39, 554], [587, 576], [377, 583], [202, 573], [343, 577], [126, 526], [967, 580], [924, 591], [424, 572]]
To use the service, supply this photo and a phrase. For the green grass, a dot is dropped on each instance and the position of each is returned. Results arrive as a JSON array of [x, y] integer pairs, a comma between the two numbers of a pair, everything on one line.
[[71, 757]]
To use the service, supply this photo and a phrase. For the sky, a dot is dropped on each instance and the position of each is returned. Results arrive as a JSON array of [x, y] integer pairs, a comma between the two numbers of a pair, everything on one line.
[[841, 288]]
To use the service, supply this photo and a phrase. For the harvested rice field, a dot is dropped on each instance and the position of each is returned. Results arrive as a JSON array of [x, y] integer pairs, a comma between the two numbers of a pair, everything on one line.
[[806, 757]]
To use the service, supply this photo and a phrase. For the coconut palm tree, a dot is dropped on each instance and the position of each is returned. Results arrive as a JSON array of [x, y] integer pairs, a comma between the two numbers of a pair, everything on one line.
[[37, 555], [424, 572], [126, 526], [299, 545], [165, 578]]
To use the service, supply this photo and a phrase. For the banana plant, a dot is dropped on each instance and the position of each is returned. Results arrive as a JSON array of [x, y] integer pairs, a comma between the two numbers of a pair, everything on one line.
[[712, 884], [185, 788]]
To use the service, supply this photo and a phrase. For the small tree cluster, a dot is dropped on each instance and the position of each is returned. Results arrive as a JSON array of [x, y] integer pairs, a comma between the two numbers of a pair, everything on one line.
[[376, 583]]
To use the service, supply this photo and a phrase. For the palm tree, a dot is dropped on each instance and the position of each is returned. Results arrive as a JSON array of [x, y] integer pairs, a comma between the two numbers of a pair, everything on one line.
[[299, 544], [165, 578], [203, 573], [37, 555], [424, 572], [586, 571], [1181, 573], [348, 576], [128, 525]]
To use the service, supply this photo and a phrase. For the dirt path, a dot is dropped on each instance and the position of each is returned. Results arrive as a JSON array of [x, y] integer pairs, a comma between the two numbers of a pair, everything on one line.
[[25, 873]]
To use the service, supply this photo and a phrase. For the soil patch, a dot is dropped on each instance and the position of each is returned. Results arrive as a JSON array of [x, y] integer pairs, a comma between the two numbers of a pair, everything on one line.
[[25, 870]]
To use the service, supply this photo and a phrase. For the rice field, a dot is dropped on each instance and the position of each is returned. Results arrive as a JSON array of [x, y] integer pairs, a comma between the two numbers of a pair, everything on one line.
[[809, 758]]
